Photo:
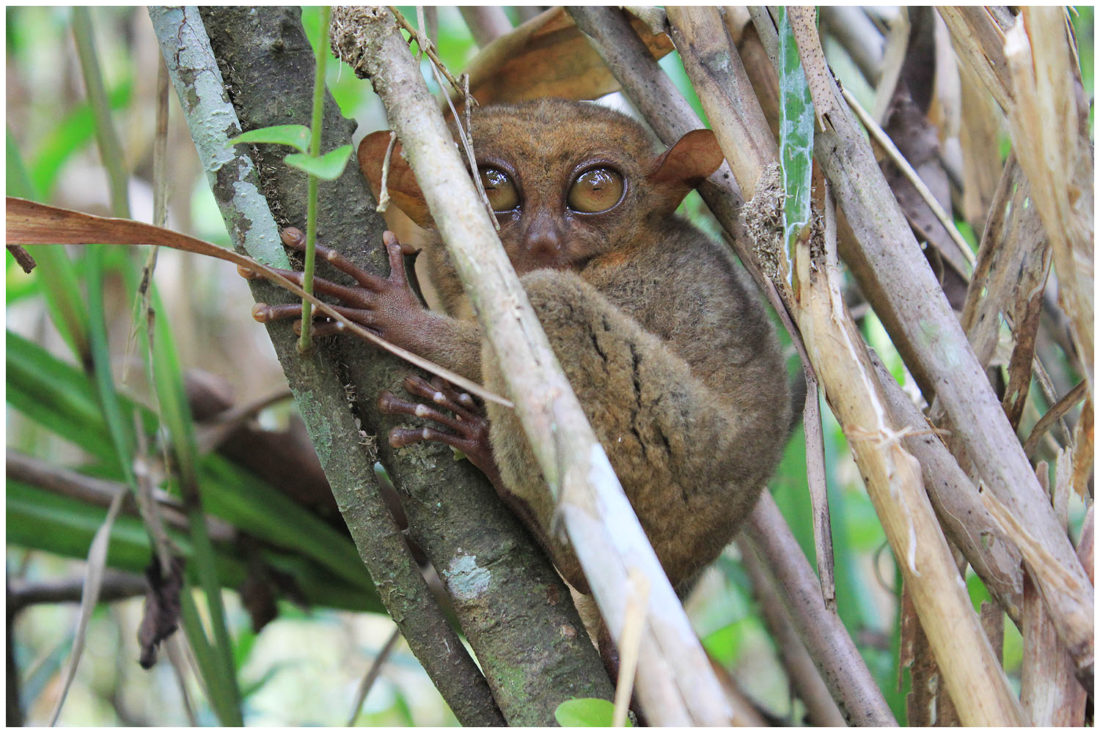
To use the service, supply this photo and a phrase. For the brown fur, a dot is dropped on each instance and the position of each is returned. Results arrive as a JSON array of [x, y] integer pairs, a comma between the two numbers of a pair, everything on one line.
[[670, 353]]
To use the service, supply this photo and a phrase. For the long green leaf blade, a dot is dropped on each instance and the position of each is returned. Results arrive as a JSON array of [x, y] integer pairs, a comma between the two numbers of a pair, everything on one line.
[[796, 137]]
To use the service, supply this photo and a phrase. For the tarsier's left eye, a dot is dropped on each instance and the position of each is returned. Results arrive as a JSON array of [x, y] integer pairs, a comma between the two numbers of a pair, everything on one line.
[[596, 190]]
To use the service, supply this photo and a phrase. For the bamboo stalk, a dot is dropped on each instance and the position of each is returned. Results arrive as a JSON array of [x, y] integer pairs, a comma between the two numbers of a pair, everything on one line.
[[911, 304], [839, 356]]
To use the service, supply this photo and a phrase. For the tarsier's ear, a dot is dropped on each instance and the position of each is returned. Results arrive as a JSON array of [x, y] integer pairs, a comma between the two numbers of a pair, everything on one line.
[[400, 181], [685, 165]]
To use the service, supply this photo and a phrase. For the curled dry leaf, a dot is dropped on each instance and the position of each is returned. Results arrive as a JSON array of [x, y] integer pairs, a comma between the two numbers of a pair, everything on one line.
[[162, 608]]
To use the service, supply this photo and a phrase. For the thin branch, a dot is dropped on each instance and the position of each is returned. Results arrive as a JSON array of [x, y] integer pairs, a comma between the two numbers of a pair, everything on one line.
[[907, 170], [426, 47], [100, 492], [821, 630], [803, 673], [373, 673], [116, 586], [1055, 413], [486, 22]]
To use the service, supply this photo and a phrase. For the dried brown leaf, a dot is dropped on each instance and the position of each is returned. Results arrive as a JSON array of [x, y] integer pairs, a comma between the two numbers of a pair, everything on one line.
[[33, 223], [162, 608], [548, 57]]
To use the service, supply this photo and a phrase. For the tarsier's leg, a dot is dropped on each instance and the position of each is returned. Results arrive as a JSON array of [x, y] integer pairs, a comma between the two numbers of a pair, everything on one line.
[[684, 455]]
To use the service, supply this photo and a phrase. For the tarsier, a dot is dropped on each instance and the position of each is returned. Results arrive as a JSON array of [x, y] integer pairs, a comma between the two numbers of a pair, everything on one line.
[[668, 349]]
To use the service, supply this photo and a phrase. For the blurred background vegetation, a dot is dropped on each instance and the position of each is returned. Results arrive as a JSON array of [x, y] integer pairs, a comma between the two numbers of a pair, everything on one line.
[[304, 667]]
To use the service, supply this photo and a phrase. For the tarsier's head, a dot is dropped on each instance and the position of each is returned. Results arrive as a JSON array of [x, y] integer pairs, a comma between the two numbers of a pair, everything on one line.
[[569, 181]]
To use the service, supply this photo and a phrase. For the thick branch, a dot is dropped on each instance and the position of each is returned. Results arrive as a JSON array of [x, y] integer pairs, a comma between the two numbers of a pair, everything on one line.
[[320, 392]]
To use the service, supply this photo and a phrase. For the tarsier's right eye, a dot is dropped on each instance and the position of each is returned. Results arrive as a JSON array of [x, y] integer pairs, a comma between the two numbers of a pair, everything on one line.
[[500, 189]]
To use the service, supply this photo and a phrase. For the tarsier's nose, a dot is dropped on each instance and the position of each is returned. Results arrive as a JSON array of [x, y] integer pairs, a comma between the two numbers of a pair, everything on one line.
[[543, 240]]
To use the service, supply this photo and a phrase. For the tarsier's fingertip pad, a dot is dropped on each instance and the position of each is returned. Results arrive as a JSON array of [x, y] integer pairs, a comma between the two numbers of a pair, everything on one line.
[[246, 272], [386, 400], [292, 236], [260, 312]]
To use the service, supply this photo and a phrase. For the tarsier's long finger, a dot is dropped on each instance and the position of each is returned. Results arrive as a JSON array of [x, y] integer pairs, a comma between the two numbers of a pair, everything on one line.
[[264, 313], [295, 239], [320, 285], [402, 437], [394, 405], [396, 257], [442, 393]]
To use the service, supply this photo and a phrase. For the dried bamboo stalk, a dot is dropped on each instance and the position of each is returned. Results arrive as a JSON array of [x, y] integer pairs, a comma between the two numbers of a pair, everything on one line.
[[911, 304], [840, 358], [964, 519]]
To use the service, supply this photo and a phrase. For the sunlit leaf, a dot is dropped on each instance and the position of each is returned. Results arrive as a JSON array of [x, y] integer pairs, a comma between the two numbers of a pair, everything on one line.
[[587, 712], [327, 167], [296, 136]]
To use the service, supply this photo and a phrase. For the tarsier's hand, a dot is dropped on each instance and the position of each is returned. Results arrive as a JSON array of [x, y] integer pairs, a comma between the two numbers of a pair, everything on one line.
[[466, 428], [386, 306]]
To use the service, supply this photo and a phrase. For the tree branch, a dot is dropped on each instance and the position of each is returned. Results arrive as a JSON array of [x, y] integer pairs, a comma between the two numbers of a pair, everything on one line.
[[319, 390]]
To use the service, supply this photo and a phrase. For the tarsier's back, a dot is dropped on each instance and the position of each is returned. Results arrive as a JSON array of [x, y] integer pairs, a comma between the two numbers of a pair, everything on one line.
[[671, 355]]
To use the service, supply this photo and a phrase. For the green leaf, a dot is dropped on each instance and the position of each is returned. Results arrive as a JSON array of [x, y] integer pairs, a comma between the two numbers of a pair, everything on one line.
[[588, 712], [724, 644], [796, 136], [327, 167], [296, 136]]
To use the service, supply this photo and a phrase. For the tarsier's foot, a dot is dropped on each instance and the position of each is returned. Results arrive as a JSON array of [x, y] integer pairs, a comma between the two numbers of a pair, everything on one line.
[[378, 304], [467, 426]]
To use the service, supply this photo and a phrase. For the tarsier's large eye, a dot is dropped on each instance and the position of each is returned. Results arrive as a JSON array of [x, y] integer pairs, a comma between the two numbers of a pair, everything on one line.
[[596, 190], [500, 189]]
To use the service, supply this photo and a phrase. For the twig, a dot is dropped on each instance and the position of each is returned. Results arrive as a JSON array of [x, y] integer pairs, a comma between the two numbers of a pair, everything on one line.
[[907, 170], [426, 46], [372, 674], [22, 257], [1055, 413], [628, 645], [805, 678], [100, 492], [839, 662], [116, 586]]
